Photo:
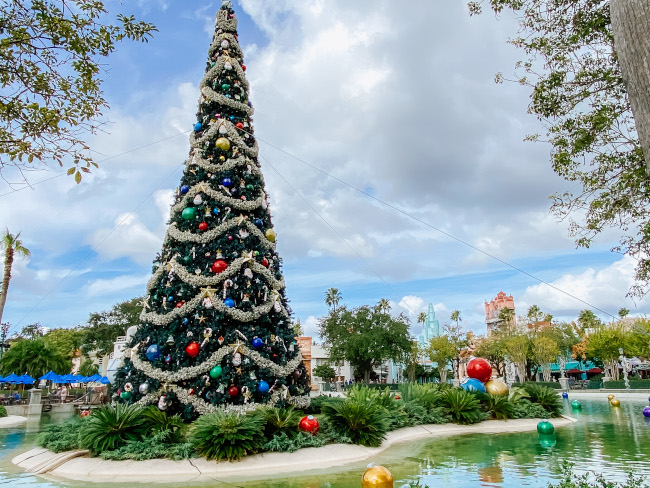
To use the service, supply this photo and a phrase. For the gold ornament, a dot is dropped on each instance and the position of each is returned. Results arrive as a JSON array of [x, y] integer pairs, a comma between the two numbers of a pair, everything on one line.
[[496, 387], [222, 143], [610, 397], [616, 402], [377, 477], [270, 235]]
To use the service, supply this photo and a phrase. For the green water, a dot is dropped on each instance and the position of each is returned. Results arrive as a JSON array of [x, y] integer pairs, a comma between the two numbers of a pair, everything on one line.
[[612, 441]]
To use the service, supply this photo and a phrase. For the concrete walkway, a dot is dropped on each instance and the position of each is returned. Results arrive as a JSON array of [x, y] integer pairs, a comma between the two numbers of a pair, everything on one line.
[[260, 466], [12, 421], [602, 394]]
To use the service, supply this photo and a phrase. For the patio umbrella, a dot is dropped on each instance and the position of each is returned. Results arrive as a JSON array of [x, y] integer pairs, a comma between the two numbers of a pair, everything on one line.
[[12, 378], [104, 380], [26, 380], [95, 377], [78, 378], [574, 371], [594, 371], [49, 376], [67, 378]]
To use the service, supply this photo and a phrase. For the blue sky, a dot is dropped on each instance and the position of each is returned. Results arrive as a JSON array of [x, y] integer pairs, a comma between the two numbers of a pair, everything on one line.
[[398, 102]]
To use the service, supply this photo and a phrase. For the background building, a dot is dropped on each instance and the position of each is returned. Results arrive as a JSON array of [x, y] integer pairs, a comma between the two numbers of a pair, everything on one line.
[[493, 309]]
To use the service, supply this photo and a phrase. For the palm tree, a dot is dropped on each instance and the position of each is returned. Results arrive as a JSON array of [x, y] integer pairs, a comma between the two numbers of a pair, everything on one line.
[[623, 312], [534, 314], [34, 358], [13, 245], [383, 305], [422, 318], [455, 316], [333, 297], [506, 315]]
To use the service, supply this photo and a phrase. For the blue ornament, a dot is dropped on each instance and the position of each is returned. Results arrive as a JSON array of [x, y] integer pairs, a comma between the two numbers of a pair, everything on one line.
[[565, 394], [472, 384], [646, 411], [258, 222], [226, 182], [170, 299], [168, 359], [263, 387], [185, 189], [198, 126], [232, 118], [216, 211], [186, 321], [250, 104], [153, 352], [229, 302], [257, 343]]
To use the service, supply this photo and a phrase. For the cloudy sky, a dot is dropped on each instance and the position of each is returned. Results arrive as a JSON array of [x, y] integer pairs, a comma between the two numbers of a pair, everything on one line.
[[358, 105]]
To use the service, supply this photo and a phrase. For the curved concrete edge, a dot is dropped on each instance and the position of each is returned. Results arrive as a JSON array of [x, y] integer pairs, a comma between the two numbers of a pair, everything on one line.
[[163, 470], [12, 421]]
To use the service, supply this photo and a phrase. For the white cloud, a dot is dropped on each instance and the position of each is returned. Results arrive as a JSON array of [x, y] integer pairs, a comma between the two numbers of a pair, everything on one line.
[[128, 238], [310, 326], [118, 284], [413, 305]]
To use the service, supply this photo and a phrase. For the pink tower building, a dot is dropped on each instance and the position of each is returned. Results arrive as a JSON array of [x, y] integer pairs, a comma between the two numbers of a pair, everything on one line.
[[493, 309]]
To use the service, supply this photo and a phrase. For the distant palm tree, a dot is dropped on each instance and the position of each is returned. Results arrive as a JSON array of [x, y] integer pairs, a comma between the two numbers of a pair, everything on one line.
[[534, 314], [383, 305], [455, 316], [506, 315], [623, 312], [13, 245], [333, 297], [422, 318]]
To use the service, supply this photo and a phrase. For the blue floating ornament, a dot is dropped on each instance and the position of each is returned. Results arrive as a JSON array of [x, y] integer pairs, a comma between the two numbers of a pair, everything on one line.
[[226, 182], [646, 412], [565, 394], [153, 352], [472, 384], [258, 222], [229, 302], [198, 126], [185, 189], [257, 343], [263, 387]]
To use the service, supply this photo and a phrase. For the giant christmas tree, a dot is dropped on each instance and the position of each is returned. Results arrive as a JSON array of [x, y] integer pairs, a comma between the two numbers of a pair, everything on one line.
[[216, 331]]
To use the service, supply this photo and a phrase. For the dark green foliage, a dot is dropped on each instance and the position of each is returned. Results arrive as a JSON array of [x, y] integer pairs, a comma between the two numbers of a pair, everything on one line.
[[283, 443], [551, 384], [546, 397], [462, 406], [33, 357], [227, 435], [158, 421], [111, 427], [525, 409], [317, 403], [498, 407], [427, 395], [383, 397], [3, 411], [365, 423], [61, 437], [154, 446], [279, 420], [588, 480], [634, 384]]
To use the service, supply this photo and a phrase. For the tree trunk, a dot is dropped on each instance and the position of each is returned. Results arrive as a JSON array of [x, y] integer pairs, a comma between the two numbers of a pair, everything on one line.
[[9, 259], [546, 372], [522, 371], [366, 376], [631, 25], [612, 366], [443, 374]]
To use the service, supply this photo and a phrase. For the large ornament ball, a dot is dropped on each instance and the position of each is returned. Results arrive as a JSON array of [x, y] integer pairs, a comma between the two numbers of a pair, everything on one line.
[[270, 235], [229, 302], [257, 343], [646, 411], [197, 127], [545, 428], [565, 394], [576, 405], [153, 352], [610, 397], [263, 387], [222, 143], [192, 349], [496, 387], [309, 424], [258, 222], [547, 441], [233, 391], [216, 372], [377, 477], [616, 402], [185, 189], [126, 395], [472, 384], [189, 213], [219, 266], [203, 226], [227, 182], [479, 369], [143, 388], [84, 413]]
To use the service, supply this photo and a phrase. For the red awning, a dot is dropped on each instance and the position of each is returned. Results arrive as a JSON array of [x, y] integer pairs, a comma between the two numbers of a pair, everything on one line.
[[575, 371], [594, 370]]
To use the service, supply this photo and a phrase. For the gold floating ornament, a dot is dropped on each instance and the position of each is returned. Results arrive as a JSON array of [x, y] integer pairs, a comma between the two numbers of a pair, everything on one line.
[[377, 477], [496, 387], [616, 402], [610, 397], [223, 144]]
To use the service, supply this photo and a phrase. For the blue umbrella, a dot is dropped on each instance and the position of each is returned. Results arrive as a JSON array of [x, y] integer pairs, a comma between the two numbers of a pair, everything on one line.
[[67, 378], [26, 380], [2, 380], [95, 377], [104, 380], [78, 378], [12, 378], [49, 376]]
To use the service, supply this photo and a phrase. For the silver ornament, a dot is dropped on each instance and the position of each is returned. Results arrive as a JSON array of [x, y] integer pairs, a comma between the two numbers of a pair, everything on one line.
[[198, 200], [143, 388]]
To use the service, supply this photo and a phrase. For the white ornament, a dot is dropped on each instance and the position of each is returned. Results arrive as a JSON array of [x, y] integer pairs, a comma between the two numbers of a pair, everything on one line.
[[227, 65], [236, 360], [225, 44], [277, 307], [207, 303], [162, 403], [198, 200]]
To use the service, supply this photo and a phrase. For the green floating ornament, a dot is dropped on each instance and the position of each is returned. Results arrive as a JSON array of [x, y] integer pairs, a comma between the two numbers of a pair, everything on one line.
[[189, 213], [216, 372], [545, 428]]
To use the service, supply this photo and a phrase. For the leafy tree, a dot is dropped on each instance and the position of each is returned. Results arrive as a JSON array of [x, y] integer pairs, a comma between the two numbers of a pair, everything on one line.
[[105, 327], [441, 351], [506, 315], [383, 305], [534, 314], [66, 341], [297, 328], [12, 244], [31, 331], [324, 371], [641, 337], [455, 316], [332, 298], [50, 60], [578, 91], [565, 336], [88, 368], [422, 318], [604, 344], [517, 348], [33, 357], [412, 361], [545, 351], [493, 349], [365, 336], [623, 312]]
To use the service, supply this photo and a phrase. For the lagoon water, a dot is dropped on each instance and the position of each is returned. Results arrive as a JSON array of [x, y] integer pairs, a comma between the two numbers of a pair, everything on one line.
[[607, 440]]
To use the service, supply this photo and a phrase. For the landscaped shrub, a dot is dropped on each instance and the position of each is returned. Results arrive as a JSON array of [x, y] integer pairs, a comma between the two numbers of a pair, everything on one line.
[[157, 445], [61, 437], [498, 407], [3, 411], [551, 384], [634, 384], [363, 394], [111, 427], [427, 395], [590, 480], [283, 443], [316, 404], [364, 423], [227, 435], [525, 409], [158, 421], [546, 397], [462, 406], [279, 420]]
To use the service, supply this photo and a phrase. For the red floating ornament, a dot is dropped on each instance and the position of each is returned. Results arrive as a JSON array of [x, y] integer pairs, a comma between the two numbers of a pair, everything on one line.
[[219, 266], [479, 369], [203, 226], [309, 424], [85, 413], [192, 349], [233, 391], [397, 397]]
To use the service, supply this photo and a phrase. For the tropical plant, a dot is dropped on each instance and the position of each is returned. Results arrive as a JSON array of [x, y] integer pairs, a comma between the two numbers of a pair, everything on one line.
[[316, 403], [332, 298], [324, 371], [590, 480], [516, 393], [546, 397], [506, 315], [462, 406], [88, 368], [155, 446], [111, 427], [283, 443], [227, 435], [363, 394], [427, 395], [159, 421], [34, 358], [13, 247], [525, 409], [62, 437], [364, 423], [279, 420], [3, 411], [498, 407]]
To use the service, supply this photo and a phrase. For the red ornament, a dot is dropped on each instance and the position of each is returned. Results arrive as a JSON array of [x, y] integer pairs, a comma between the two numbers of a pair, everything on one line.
[[203, 226], [192, 349], [309, 424], [233, 391], [180, 304], [397, 397], [265, 262], [191, 392], [85, 413], [243, 67], [239, 125], [479, 369], [219, 266]]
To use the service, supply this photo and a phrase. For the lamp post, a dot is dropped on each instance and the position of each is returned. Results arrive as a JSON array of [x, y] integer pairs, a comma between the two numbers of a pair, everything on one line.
[[623, 360]]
